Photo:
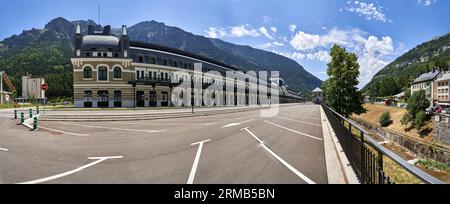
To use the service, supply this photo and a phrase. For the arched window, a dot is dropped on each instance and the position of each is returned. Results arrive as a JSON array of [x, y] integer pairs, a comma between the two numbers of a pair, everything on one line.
[[117, 73], [87, 73]]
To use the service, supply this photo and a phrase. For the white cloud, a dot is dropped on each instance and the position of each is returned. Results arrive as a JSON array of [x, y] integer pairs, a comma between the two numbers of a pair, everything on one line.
[[294, 55], [216, 32], [305, 41], [374, 52], [265, 45], [292, 28], [369, 66], [278, 44], [426, 2], [243, 30], [274, 29], [321, 56], [268, 45], [375, 47], [263, 30], [368, 10]]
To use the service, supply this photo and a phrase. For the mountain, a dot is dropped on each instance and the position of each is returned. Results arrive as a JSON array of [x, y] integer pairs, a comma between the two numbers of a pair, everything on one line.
[[46, 52], [396, 76]]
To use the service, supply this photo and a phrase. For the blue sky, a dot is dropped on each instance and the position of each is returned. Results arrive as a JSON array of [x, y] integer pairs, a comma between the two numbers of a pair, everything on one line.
[[377, 31]]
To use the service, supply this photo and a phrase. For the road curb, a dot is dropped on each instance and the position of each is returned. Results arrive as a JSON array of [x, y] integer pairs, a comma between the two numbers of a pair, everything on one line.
[[339, 170]]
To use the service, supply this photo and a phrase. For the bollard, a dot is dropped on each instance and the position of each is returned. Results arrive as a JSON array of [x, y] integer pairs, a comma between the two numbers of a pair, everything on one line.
[[35, 123], [31, 113], [37, 109], [22, 118], [15, 114]]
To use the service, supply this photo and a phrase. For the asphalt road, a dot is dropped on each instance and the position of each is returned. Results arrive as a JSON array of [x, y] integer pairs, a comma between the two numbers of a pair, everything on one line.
[[240, 148]]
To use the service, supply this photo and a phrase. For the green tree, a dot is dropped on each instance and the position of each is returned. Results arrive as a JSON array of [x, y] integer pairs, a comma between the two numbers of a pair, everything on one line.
[[407, 94], [340, 89], [418, 102], [385, 119], [406, 119], [419, 121]]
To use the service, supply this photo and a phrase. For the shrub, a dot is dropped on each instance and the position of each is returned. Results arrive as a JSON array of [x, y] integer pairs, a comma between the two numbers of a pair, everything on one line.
[[420, 119], [406, 119], [385, 119]]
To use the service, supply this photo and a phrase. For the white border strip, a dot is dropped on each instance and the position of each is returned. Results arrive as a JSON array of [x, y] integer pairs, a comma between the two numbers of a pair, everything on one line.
[[99, 159], [196, 160], [294, 131], [298, 173]]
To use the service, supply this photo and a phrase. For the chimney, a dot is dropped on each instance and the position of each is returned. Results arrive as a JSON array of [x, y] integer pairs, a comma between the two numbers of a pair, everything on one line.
[[78, 31], [107, 30], [90, 29], [124, 30]]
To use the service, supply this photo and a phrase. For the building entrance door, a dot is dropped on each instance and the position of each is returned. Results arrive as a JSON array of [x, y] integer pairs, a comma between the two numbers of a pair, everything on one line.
[[140, 99], [153, 99], [103, 101]]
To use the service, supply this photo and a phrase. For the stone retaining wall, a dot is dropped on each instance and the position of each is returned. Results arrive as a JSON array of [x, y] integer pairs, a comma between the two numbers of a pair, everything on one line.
[[442, 124], [421, 148]]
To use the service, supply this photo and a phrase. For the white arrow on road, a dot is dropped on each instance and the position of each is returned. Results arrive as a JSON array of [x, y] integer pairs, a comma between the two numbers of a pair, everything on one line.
[[98, 160], [236, 124], [1, 149]]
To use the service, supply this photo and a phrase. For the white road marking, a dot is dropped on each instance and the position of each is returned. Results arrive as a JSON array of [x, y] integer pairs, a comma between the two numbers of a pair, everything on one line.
[[302, 116], [2, 149], [64, 132], [236, 124], [111, 128], [168, 124], [99, 159], [299, 121], [196, 160], [294, 131], [285, 163]]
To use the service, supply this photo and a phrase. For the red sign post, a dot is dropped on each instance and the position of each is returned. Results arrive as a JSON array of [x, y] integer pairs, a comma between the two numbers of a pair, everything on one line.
[[44, 88]]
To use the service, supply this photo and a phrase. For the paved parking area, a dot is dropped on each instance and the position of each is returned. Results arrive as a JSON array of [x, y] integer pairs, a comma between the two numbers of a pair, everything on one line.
[[228, 148]]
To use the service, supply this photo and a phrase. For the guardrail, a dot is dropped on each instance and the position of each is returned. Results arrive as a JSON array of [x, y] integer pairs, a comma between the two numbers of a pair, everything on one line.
[[366, 155]]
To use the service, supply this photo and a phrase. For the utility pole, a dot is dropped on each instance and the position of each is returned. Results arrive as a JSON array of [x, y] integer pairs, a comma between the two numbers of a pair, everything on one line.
[[1, 88], [98, 19]]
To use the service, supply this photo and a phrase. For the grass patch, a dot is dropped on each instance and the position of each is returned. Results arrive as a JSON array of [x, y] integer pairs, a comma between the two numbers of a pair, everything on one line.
[[427, 163]]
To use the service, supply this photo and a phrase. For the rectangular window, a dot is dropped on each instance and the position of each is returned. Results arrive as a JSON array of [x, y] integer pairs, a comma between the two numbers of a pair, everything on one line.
[[138, 75], [140, 59], [153, 60], [103, 74], [164, 62]]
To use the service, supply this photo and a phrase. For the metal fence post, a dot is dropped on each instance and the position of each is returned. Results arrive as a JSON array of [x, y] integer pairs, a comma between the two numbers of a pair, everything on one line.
[[15, 114], [37, 109], [22, 118], [31, 112], [363, 160], [380, 167]]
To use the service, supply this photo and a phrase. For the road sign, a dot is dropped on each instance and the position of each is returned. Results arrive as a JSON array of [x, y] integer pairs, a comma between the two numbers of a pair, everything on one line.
[[44, 87]]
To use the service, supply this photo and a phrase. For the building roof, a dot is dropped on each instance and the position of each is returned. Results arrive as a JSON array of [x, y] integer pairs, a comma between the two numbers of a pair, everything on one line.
[[427, 76], [444, 77], [179, 52], [317, 90], [402, 94], [100, 41]]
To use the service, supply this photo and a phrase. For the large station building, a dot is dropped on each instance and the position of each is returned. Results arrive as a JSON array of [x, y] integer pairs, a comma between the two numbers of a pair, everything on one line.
[[112, 71]]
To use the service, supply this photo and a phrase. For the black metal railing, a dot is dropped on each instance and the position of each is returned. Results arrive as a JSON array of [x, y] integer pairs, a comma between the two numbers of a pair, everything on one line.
[[366, 155]]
